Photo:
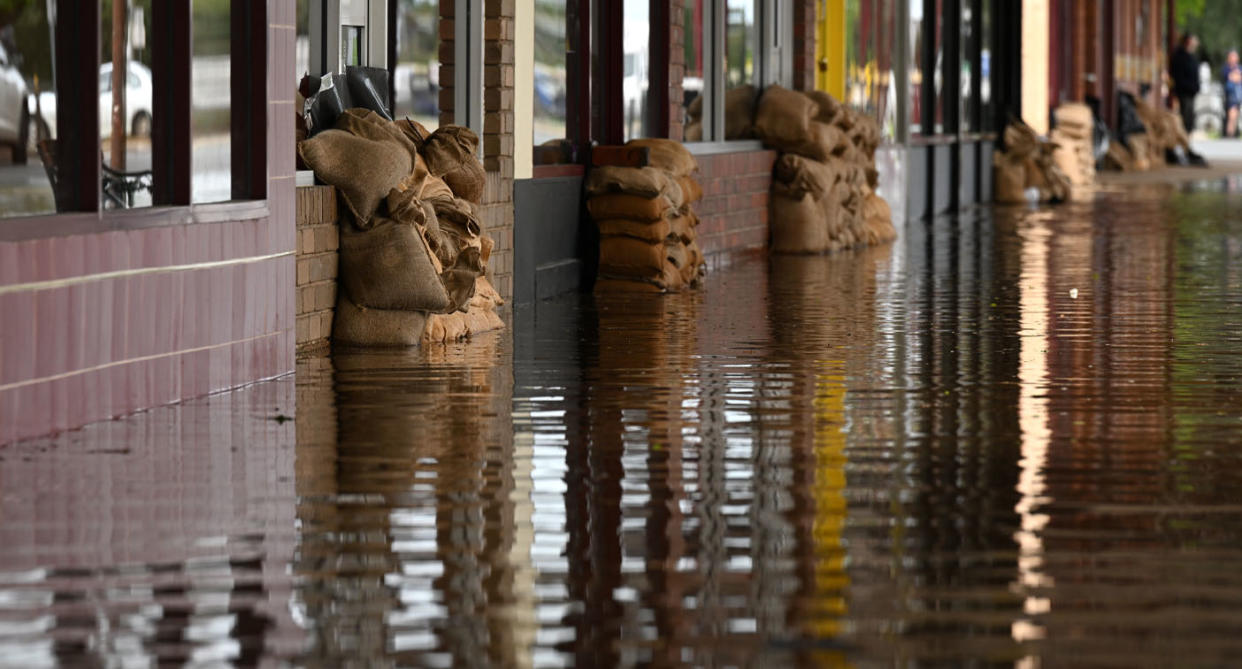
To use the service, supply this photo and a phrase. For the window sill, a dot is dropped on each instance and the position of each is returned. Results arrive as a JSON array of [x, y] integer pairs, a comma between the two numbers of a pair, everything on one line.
[[88, 223], [713, 148]]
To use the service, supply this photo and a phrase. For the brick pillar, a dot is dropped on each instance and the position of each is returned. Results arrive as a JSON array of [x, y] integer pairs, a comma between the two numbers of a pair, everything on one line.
[[497, 210], [804, 45], [676, 68]]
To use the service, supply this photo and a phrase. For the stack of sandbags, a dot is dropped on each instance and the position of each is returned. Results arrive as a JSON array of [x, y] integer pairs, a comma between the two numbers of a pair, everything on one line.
[[823, 187], [1165, 132], [412, 253], [646, 221], [1026, 164], [1071, 136]]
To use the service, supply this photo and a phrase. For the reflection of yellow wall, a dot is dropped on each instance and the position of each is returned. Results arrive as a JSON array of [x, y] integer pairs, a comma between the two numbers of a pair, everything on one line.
[[830, 578], [1035, 56], [830, 47]]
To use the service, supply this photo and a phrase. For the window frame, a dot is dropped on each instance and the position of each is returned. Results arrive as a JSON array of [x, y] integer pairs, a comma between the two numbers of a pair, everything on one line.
[[76, 77]]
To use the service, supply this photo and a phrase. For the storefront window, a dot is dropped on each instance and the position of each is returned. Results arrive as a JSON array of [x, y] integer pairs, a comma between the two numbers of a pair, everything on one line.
[[967, 64], [301, 44], [986, 111], [741, 66], [551, 79], [125, 103], [210, 88], [635, 68], [26, 87], [692, 82], [915, 51], [860, 55], [936, 29], [417, 85]]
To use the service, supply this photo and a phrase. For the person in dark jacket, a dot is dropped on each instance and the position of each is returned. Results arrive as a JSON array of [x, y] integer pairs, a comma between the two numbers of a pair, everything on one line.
[[1184, 67]]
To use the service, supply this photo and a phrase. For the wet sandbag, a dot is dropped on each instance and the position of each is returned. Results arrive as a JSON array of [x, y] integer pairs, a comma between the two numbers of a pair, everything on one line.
[[390, 267], [360, 326], [878, 220], [630, 207], [1074, 119], [694, 269], [485, 295], [667, 155], [691, 189], [666, 279], [645, 182], [675, 252], [798, 225], [363, 170], [626, 256], [784, 117], [648, 231], [1021, 142], [799, 175], [826, 107], [449, 328]]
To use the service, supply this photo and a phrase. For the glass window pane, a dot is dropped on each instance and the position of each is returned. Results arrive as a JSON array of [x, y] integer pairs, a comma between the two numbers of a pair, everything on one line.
[[937, 29], [635, 68], [741, 66], [967, 65], [916, 66], [125, 110], [25, 78], [885, 92], [211, 169], [985, 70], [301, 44], [417, 83], [692, 80], [550, 83], [860, 55]]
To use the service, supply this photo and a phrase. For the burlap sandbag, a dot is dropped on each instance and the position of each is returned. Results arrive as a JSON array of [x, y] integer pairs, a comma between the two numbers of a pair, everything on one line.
[[449, 328], [694, 131], [434, 188], [794, 176], [367, 124], [667, 279], [468, 180], [694, 269], [878, 219], [485, 295], [645, 182], [414, 131], [691, 190], [448, 147], [784, 117], [667, 155], [1021, 142], [648, 231], [826, 106], [798, 225], [630, 207], [363, 170], [1009, 179], [683, 227], [359, 326], [405, 207], [823, 142], [626, 256], [675, 251], [389, 266]]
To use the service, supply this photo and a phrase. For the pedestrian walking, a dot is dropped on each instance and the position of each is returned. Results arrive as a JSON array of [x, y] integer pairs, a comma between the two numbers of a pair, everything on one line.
[[1184, 67]]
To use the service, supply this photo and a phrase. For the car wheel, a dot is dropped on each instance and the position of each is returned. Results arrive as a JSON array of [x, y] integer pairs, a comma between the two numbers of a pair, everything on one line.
[[142, 125], [22, 145]]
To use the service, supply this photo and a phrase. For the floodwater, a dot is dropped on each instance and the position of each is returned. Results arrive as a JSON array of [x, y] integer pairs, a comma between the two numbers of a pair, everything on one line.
[[1014, 438]]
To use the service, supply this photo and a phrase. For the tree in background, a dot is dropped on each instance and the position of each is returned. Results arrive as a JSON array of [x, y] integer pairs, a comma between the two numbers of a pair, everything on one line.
[[1218, 23]]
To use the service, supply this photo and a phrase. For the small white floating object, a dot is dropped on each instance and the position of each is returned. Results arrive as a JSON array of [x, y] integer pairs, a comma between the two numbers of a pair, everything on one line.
[[1073, 293]]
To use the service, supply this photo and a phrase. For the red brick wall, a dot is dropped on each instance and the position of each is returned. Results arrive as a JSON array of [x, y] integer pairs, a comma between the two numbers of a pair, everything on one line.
[[804, 45], [733, 214], [318, 241], [676, 68]]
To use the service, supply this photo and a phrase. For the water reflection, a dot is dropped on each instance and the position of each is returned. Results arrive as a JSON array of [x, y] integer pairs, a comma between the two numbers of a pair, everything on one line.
[[1010, 439]]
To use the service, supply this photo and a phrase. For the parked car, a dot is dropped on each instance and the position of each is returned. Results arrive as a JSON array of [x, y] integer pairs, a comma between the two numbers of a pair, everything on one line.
[[138, 94], [14, 111]]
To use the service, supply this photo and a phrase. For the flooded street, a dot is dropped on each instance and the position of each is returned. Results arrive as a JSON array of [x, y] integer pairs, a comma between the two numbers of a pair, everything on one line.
[[1013, 438]]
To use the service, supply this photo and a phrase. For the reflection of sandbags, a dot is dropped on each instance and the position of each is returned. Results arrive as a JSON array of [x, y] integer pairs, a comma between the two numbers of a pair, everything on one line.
[[826, 106], [363, 170], [360, 326], [784, 117], [667, 155], [626, 256], [632, 207], [799, 225], [448, 328], [650, 231], [739, 110], [694, 131], [1009, 181], [795, 176], [389, 267], [646, 182]]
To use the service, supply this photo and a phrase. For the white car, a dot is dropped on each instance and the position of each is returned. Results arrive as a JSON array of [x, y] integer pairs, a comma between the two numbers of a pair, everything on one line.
[[14, 114], [138, 92]]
